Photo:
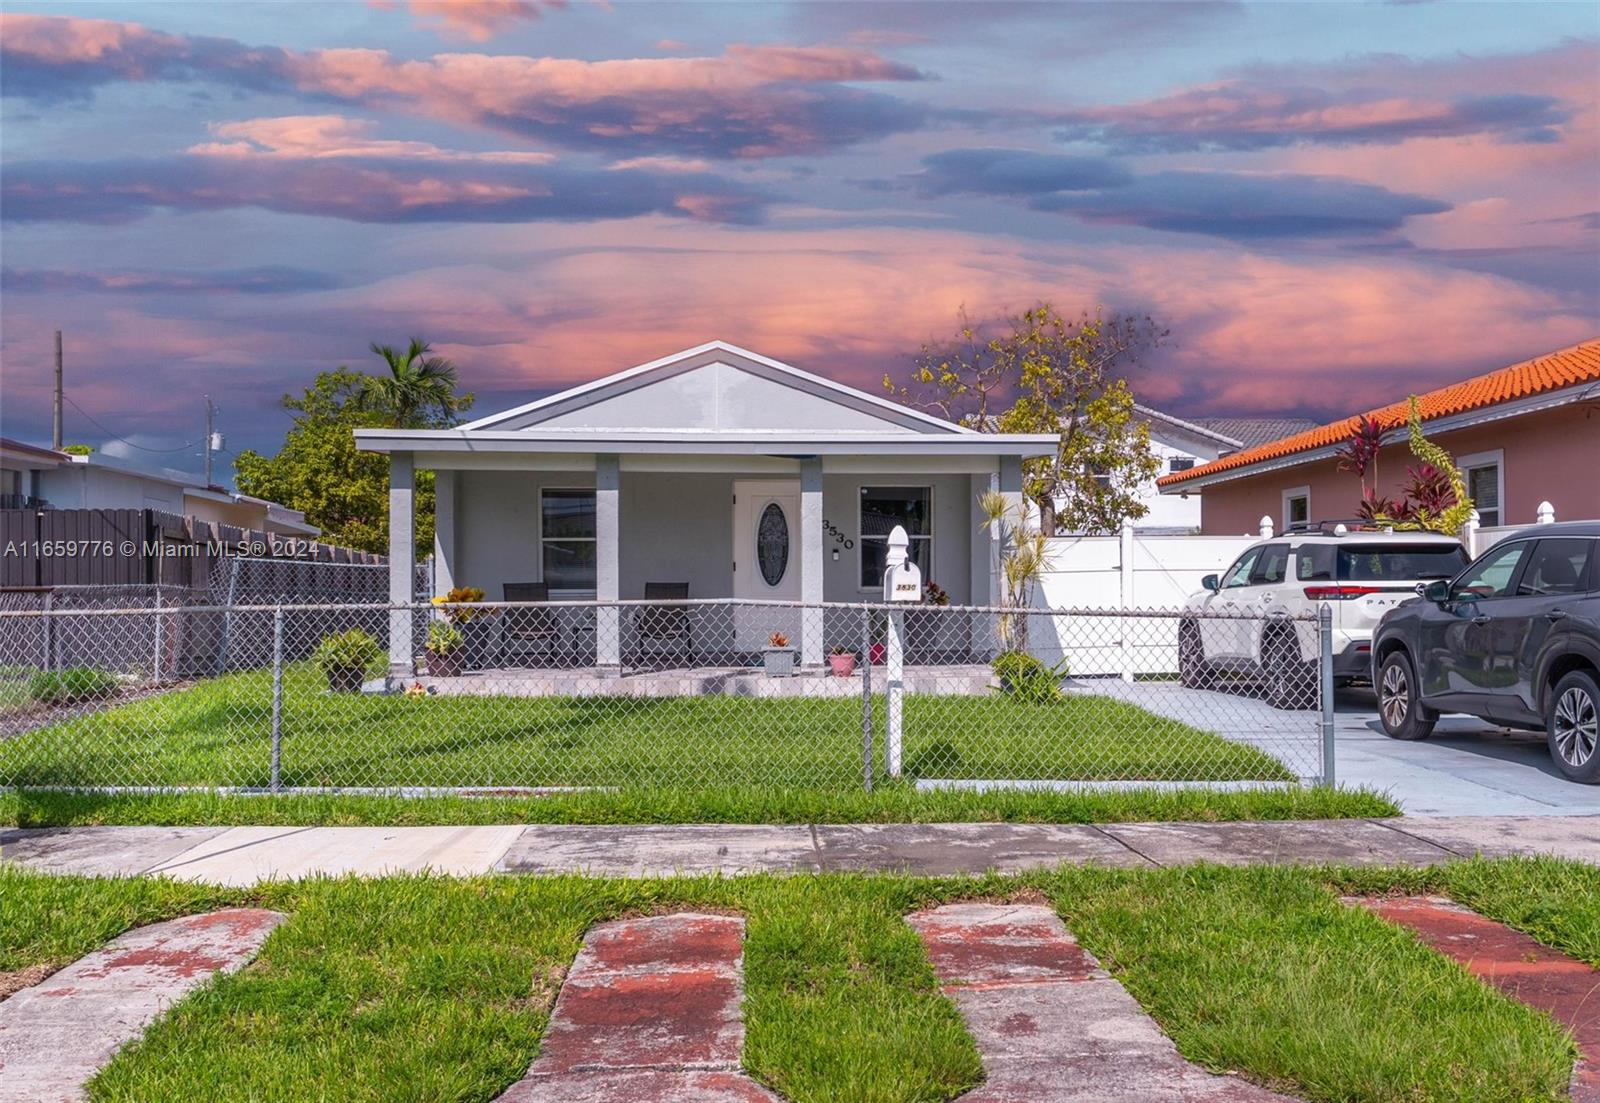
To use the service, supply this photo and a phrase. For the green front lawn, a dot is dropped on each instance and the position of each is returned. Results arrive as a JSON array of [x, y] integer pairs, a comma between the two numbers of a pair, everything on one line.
[[429, 988], [218, 733]]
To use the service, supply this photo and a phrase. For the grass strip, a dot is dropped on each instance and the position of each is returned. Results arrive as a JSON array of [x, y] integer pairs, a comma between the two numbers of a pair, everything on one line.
[[886, 804]]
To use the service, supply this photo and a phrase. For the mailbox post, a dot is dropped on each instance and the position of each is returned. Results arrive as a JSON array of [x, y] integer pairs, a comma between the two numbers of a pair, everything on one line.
[[902, 582]]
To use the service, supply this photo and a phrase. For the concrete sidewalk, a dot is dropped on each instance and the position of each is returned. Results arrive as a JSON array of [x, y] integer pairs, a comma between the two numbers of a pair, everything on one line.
[[246, 855]]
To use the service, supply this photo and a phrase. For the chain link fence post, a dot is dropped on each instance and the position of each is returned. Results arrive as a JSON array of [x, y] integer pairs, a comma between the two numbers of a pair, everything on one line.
[[275, 780], [866, 698], [155, 659], [1325, 684]]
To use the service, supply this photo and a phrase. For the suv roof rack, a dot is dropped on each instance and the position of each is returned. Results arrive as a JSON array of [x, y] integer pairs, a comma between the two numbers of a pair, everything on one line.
[[1329, 526]]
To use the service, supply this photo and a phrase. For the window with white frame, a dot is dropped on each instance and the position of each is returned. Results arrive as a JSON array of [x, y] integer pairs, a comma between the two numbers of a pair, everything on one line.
[[884, 507], [567, 538], [1485, 475], [1296, 506], [1180, 463]]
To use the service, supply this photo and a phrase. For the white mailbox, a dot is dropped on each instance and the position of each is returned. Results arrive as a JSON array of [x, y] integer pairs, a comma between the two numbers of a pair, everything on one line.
[[902, 580]]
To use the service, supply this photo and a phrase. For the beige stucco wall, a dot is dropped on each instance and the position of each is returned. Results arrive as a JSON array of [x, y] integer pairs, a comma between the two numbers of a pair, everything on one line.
[[1551, 455]]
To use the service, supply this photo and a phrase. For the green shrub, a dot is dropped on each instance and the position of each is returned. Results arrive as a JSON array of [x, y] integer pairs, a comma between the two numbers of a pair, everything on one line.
[[444, 637], [78, 683], [352, 650], [1028, 678]]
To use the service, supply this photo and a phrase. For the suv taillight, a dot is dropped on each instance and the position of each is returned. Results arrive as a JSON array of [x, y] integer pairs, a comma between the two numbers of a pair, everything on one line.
[[1339, 593]]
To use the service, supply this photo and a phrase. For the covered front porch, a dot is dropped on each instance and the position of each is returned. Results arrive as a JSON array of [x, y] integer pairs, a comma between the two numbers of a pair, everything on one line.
[[677, 515]]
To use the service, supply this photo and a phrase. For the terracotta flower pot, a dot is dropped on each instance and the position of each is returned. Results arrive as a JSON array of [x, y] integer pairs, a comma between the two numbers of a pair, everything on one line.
[[842, 665], [446, 664]]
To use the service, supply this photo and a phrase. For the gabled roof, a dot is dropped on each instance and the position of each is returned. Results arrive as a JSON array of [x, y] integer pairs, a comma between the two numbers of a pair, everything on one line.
[[1251, 431], [1542, 375], [561, 408], [1198, 428]]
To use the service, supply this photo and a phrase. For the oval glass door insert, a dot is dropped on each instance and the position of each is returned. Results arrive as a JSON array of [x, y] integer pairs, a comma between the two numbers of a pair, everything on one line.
[[772, 544]]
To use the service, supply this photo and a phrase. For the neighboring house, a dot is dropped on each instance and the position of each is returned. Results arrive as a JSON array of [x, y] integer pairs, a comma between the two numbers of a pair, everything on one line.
[[1522, 435], [41, 478], [1182, 444], [736, 474]]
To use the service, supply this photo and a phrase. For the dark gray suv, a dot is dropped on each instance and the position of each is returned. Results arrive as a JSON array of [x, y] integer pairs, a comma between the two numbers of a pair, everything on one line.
[[1514, 639]]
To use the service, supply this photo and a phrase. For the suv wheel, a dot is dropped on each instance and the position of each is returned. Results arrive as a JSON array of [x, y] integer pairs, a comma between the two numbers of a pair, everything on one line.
[[1572, 721], [1402, 714], [1192, 669], [1291, 681]]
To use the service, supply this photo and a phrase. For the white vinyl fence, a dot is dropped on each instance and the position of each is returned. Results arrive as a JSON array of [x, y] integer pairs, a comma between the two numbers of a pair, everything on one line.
[[1129, 571]]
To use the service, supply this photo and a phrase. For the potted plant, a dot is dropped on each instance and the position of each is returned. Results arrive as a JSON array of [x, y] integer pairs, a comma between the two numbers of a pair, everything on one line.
[[445, 649], [878, 650], [473, 626], [842, 661], [345, 659], [778, 656]]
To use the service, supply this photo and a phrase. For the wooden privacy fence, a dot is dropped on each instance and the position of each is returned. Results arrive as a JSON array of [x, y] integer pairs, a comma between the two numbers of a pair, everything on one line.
[[149, 560], [122, 547]]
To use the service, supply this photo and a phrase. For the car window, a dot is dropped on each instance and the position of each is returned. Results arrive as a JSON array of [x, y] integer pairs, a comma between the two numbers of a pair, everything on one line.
[[1400, 562], [1557, 566], [1271, 565], [1491, 575], [1313, 562], [1239, 573]]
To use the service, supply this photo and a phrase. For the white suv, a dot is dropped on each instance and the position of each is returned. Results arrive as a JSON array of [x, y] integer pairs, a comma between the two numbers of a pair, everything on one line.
[[1360, 574]]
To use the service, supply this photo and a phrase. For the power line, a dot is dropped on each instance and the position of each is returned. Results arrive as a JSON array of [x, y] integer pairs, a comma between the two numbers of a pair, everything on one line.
[[125, 440]]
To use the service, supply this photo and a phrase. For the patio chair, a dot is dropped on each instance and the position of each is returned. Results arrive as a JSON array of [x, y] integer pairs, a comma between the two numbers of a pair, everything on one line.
[[667, 626], [529, 631]]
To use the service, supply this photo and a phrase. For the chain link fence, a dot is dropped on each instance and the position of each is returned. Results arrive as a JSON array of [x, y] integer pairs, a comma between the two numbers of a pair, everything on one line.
[[515, 696]]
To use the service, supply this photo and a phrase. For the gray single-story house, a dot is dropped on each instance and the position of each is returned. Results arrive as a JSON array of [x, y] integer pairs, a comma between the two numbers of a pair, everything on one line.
[[739, 475]]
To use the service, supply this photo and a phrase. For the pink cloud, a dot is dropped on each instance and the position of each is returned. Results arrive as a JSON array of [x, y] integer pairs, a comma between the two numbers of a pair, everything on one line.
[[318, 136], [749, 101], [478, 20]]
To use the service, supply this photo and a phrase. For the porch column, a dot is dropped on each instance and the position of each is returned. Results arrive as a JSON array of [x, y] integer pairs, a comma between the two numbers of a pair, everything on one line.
[[1011, 491], [444, 531], [607, 551], [811, 537], [402, 564], [983, 569]]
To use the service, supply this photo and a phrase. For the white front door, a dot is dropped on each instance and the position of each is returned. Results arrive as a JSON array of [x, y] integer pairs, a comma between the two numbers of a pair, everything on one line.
[[766, 559]]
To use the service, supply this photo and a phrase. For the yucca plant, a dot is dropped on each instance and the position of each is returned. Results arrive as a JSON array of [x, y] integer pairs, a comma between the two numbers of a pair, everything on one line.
[[1023, 553]]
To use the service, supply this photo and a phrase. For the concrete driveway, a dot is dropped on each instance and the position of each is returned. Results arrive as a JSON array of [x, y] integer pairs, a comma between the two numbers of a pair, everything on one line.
[[1467, 768]]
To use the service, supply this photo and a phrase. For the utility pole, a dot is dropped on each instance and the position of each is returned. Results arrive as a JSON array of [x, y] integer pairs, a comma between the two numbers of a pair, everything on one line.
[[55, 435], [210, 438]]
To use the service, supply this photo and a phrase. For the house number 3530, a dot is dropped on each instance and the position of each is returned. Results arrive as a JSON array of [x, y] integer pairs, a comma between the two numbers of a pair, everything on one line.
[[838, 537]]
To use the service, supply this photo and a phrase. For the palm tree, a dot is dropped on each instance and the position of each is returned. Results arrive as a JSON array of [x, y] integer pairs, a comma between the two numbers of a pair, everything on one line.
[[420, 388]]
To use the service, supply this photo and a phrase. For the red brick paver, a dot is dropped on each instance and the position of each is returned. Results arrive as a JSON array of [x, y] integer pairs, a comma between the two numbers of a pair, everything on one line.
[[1566, 989], [650, 1013], [1051, 1025], [57, 1034]]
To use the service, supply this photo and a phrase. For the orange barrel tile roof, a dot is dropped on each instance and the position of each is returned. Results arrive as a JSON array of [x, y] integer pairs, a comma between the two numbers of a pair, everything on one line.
[[1550, 372]]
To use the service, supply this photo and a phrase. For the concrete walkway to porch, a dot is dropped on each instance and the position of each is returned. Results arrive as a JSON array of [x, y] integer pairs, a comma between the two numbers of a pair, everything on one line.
[[246, 855]]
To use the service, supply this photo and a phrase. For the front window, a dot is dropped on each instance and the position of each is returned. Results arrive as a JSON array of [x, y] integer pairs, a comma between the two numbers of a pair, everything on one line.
[[884, 507], [1296, 506], [567, 539], [1180, 463], [1491, 575], [1483, 487]]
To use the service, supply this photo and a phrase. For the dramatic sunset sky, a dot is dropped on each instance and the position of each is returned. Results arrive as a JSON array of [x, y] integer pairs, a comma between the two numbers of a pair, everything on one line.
[[1327, 204]]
